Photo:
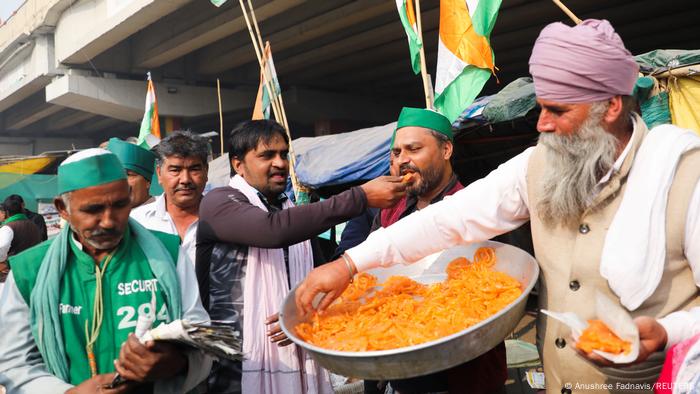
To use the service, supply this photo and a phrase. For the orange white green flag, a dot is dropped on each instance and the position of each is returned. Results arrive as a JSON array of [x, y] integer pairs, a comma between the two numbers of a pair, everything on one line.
[[150, 123], [263, 102], [465, 58], [407, 14]]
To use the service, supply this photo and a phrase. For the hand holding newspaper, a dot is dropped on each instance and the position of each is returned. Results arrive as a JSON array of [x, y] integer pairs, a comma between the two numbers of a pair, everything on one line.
[[217, 338]]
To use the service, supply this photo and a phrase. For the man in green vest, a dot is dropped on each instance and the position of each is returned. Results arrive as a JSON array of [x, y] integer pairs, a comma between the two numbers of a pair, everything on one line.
[[71, 304]]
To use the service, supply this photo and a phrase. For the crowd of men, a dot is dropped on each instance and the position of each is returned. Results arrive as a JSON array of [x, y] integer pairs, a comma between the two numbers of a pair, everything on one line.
[[70, 305]]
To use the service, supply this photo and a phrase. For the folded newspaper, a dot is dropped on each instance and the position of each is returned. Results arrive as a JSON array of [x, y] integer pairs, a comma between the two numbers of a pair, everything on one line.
[[216, 337]]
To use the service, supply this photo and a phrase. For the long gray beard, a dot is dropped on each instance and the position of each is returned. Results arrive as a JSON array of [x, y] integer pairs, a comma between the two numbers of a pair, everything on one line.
[[575, 164]]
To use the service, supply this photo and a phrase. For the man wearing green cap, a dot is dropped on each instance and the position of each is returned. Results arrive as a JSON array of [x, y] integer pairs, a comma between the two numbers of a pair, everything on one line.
[[71, 303], [139, 164], [421, 150]]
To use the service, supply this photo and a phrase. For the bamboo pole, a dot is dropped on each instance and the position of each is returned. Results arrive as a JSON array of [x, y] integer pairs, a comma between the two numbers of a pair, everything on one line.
[[277, 95], [423, 68], [258, 53], [682, 71], [221, 117], [567, 11], [277, 105]]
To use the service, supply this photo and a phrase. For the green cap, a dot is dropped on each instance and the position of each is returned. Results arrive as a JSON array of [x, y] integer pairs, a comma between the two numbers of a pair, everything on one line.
[[87, 168], [421, 117], [133, 157]]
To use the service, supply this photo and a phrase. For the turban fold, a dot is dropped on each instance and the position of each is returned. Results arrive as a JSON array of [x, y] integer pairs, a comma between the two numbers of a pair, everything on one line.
[[582, 64], [87, 168]]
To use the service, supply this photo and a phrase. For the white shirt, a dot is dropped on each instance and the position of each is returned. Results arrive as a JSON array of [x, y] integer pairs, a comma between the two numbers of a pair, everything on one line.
[[492, 206], [155, 216], [6, 236]]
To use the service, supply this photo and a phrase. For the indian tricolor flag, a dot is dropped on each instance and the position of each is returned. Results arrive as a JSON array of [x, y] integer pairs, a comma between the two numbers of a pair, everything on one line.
[[465, 59], [407, 14], [263, 102], [150, 123]]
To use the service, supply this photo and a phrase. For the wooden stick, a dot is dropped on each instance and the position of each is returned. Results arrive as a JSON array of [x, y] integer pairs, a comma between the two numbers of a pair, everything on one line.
[[423, 70], [277, 107], [258, 53], [567, 11], [221, 117], [276, 96]]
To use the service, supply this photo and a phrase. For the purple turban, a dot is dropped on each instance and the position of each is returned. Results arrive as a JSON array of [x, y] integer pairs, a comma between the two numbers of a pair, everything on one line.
[[581, 64]]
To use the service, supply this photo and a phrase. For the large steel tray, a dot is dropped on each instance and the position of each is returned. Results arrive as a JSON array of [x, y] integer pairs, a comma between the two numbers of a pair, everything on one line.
[[439, 354]]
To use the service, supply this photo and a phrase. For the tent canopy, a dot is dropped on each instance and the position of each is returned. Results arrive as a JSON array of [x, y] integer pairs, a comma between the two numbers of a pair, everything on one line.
[[343, 158]]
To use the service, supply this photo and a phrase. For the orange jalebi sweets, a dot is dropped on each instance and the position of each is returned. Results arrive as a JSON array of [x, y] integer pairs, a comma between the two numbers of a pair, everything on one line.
[[599, 337], [402, 312]]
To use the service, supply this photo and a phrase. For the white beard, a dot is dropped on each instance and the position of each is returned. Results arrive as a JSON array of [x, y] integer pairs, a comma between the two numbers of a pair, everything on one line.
[[575, 163]]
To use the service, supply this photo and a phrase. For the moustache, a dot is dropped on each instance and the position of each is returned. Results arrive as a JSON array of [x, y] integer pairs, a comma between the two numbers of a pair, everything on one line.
[[104, 232], [185, 187], [404, 168]]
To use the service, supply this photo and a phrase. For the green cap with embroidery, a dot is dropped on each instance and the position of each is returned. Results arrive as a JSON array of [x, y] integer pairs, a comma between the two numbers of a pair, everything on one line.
[[87, 168]]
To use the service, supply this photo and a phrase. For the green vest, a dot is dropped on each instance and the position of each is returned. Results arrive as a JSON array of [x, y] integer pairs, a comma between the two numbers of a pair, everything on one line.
[[127, 286]]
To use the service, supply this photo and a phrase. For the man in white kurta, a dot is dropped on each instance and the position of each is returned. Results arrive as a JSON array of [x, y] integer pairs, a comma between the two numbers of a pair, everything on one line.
[[614, 209]]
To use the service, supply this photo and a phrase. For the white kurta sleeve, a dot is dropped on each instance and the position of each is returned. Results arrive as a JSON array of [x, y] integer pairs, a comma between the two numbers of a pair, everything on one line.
[[6, 236], [199, 364], [22, 370], [683, 325], [488, 207]]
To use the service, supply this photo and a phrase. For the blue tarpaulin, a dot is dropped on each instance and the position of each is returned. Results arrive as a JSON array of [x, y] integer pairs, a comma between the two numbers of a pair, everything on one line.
[[343, 158]]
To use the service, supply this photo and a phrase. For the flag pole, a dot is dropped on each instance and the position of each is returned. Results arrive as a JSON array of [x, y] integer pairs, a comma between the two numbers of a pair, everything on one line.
[[423, 70], [279, 112], [277, 95], [221, 117], [567, 11], [259, 54]]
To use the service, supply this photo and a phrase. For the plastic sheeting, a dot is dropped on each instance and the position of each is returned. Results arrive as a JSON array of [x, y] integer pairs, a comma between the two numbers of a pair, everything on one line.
[[684, 101], [662, 58], [513, 101], [343, 158], [32, 188]]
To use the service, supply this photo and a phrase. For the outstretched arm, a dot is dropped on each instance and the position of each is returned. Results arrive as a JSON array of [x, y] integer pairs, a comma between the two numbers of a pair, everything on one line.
[[486, 208]]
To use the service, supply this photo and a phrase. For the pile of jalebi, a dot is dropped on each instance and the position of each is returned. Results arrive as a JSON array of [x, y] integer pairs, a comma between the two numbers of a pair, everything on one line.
[[599, 337], [402, 312]]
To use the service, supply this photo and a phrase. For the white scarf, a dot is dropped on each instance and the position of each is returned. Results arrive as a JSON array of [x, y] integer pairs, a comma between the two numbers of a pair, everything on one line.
[[269, 369], [634, 253]]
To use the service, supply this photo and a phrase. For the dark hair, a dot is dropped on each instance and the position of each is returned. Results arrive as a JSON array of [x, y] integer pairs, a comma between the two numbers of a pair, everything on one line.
[[17, 196], [248, 134], [13, 205], [182, 144], [442, 139]]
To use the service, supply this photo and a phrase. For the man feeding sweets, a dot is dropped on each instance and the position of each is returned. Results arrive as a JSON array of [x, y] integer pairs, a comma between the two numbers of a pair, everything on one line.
[[71, 303], [614, 208]]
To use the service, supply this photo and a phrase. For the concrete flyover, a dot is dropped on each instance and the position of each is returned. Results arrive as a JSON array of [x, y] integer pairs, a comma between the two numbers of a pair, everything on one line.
[[75, 69]]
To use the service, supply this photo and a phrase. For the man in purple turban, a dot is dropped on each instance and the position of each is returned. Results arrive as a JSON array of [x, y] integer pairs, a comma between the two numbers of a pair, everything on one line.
[[614, 210]]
